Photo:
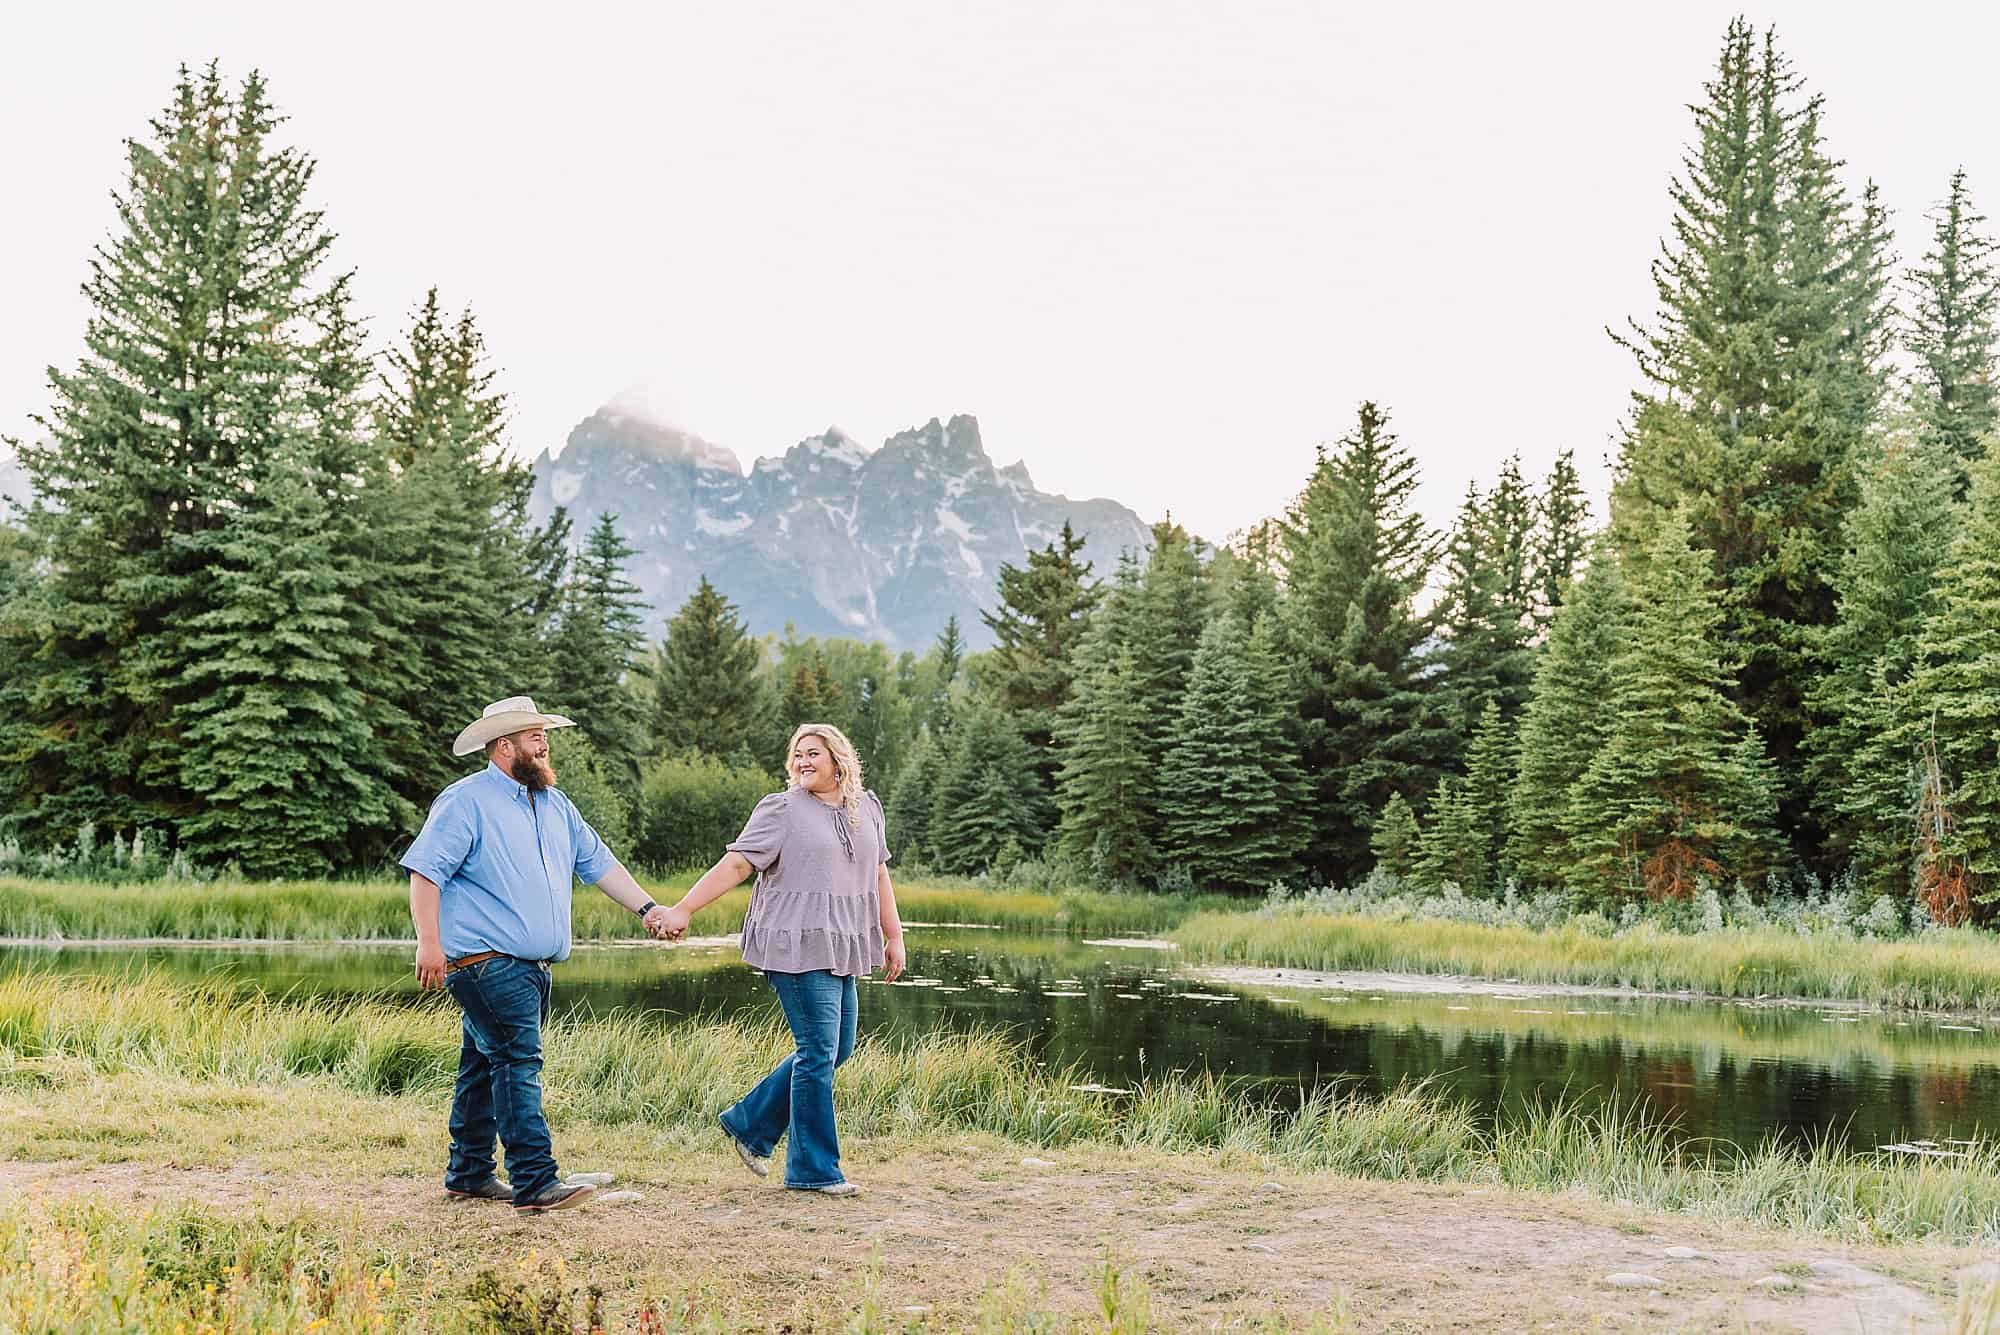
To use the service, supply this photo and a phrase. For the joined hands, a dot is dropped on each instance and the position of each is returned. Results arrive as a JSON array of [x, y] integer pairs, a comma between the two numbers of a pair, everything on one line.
[[665, 924]]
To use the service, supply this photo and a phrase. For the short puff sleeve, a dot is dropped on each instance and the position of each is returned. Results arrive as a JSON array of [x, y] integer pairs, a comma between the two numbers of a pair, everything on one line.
[[881, 825], [763, 836]]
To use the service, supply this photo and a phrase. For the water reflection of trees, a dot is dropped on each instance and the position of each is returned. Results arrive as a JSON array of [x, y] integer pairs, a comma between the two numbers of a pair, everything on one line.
[[1726, 1071]]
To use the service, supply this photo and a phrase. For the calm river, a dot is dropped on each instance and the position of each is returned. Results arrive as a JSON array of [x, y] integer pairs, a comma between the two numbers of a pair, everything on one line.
[[1121, 1014]]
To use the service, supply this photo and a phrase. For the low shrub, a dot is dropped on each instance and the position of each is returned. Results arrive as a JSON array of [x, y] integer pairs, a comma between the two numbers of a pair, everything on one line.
[[690, 807]]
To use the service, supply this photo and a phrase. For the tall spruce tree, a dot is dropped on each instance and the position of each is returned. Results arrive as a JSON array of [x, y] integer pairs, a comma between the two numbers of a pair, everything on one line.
[[1167, 612], [1045, 607], [469, 591], [987, 795], [1562, 536], [1232, 800], [1464, 840], [1356, 553], [1764, 365], [1954, 295], [1952, 697], [1859, 762], [1486, 618], [1105, 783], [1565, 721], [1680, 789], [947, 657], [196, 357], [282, 766], [1395, 840], [705, 690], [912, 798], [811, 695], [598, 646]]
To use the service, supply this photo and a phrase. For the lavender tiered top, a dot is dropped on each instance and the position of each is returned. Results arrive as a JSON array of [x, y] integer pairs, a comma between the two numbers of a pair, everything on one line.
[[815, 904]]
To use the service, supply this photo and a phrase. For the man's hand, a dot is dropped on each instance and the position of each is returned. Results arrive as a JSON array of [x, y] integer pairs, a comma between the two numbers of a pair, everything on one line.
[[892, 959], [656, 921], [430, 965], [675, 925]]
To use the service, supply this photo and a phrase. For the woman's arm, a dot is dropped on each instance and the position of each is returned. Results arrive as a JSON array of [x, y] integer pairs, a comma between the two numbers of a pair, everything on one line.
[[893, 957], [716, 882]]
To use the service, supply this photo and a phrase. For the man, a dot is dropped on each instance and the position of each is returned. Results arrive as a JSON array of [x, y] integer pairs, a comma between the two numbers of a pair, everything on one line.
[[490, 894]]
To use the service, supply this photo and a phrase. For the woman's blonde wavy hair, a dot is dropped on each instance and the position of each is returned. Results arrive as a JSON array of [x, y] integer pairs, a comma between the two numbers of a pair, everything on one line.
[[844, 758]]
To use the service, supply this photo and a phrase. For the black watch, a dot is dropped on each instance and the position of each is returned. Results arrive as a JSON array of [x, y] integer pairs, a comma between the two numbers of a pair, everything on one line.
[[646, 908]]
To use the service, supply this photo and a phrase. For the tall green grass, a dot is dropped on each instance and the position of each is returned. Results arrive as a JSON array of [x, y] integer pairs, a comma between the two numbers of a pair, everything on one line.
[[380, 910], [1942, 970], [631, 1069]]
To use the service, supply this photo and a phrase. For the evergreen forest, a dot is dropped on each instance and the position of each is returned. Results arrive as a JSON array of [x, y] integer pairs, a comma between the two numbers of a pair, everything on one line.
[[271, 563]]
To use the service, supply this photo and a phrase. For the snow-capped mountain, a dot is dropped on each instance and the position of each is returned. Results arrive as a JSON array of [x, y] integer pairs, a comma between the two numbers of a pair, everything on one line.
[[833, 537]]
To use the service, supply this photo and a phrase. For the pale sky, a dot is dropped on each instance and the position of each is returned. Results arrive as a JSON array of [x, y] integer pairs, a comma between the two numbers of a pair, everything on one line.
[[1158, 249]]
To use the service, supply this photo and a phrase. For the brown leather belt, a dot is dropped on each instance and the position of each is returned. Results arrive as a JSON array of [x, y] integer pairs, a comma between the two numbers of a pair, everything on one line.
[[453, 966]]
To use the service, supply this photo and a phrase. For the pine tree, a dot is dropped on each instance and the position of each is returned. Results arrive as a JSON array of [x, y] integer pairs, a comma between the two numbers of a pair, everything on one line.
[[912, 797], [1449, 847], [811, 695], [1463, 841], [1859, 772], [1232, 795], [1952, 698], [1562, 524], [468, 591], [1356, 554], [1395, 839], [282, 762], [1045, 607], [1565, 720], [1166, 614], [1680, 789], [1485, 618], [705, 683], [1106, 781], [1765, 366], [946, 658], [598, 647], [1950, 329], [987, 795], [886, 720], [196, 355]]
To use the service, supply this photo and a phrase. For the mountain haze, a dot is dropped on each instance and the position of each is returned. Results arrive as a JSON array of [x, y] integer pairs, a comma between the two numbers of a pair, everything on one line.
[[832, 537]]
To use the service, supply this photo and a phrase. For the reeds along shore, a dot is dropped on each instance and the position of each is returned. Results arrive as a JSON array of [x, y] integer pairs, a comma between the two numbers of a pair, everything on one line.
[[1941, 970], [629, 1069], [1954, 970], [380, 910]]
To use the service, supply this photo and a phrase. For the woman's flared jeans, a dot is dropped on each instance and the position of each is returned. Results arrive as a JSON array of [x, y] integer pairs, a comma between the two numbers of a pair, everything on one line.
[[798, 1094]]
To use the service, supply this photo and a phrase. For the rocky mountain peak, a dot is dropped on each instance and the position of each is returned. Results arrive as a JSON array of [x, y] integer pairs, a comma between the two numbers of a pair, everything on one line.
[[830, 537]]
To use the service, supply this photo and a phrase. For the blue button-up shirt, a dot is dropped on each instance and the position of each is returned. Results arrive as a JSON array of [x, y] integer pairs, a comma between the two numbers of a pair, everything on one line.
[[503, 866]]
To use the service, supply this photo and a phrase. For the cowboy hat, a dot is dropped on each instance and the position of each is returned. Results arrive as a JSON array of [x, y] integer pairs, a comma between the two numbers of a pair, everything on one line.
[[517, 713]]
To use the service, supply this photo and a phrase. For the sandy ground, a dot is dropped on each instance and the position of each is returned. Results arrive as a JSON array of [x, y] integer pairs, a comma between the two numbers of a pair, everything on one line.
[[1216, 1248]]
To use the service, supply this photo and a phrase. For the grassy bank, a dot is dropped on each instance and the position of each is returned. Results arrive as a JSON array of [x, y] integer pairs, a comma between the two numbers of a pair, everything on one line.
[[94, 1267], [1944, 970], [365, 910], [632, 1072]]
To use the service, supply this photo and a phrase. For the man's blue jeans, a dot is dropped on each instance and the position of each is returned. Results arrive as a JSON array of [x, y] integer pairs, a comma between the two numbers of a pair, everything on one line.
[[499, 1091], [798, 1094]]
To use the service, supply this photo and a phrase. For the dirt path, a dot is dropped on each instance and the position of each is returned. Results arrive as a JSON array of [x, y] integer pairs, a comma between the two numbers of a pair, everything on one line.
[[1215, 1248]]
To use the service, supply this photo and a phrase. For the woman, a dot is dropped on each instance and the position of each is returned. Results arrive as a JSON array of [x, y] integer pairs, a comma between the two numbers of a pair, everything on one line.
[[822, 913]]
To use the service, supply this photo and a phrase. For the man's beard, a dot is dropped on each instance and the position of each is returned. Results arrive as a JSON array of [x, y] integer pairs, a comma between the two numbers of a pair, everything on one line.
[[531, 773]]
